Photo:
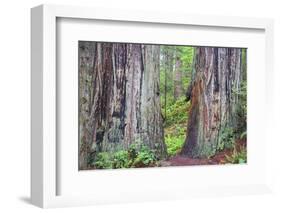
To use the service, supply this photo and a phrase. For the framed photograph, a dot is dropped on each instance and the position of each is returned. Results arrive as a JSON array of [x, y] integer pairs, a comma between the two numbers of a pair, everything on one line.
[[130, 106]]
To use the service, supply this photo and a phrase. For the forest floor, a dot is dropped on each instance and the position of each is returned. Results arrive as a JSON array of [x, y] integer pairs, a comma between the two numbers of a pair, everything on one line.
[[219, 158]]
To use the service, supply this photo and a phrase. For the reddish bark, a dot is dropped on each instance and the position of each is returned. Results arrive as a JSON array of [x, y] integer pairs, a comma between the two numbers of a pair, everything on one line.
[[216, 76]]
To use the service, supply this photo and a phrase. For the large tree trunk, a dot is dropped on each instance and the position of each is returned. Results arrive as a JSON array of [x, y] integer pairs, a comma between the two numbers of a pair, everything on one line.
[[216, 77], [123, 105], [87, 51], [151, 125]]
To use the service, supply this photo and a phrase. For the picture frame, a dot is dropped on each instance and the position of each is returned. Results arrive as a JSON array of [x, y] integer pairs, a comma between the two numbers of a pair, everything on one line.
[[46, 169]]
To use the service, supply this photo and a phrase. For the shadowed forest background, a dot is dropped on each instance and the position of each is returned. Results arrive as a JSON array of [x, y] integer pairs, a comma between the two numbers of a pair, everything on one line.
[[146, 105]]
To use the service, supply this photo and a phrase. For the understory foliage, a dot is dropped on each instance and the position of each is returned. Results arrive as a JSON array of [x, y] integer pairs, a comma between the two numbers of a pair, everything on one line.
[[237, 156], [175, 125], [226, 139], [175, 109], [137, 156], [241, 110]]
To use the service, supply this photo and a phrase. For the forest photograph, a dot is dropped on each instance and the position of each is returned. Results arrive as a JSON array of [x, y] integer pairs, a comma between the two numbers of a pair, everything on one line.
[[152, 105]]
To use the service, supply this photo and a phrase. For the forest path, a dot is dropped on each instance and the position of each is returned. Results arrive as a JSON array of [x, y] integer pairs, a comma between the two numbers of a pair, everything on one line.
[[219, 158]]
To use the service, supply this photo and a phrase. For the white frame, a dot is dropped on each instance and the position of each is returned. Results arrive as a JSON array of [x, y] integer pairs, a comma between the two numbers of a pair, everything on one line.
[[43, 106]]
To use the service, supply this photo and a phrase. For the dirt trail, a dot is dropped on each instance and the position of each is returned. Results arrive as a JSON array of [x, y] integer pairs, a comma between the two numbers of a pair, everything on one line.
[[219, 158]]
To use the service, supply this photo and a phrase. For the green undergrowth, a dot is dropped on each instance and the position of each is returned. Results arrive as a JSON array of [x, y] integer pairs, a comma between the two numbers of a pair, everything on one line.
[[237, 156], [136, 156], [174, 144], [175, 125], [229, 139], [177, 112]]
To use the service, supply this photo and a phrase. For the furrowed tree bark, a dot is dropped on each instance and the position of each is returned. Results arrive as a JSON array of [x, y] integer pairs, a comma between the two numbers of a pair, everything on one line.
[[216, 77], [151, 126], [123, 105], [87, 52]]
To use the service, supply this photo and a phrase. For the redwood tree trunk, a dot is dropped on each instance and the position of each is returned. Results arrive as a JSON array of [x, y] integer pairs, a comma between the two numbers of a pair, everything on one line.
[[216, 77], [119, 98], [151, 125], [87, 52]]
